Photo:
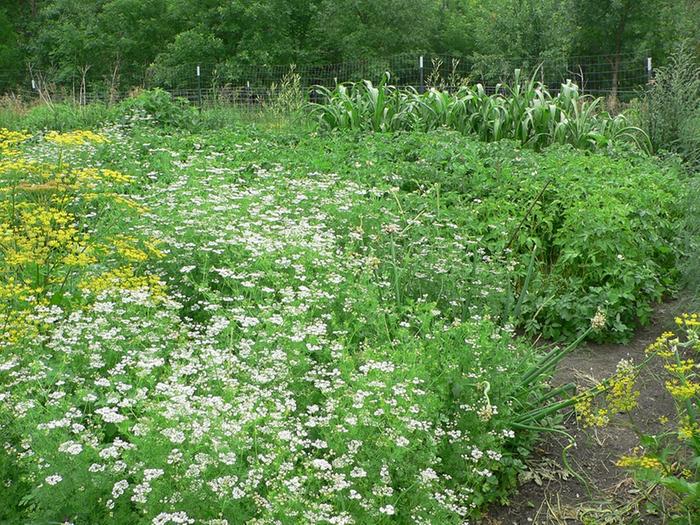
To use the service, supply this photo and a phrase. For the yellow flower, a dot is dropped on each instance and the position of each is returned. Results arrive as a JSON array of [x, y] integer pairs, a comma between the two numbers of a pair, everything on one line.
[[682, 391], [101, 175], [687, 429], [125, 246], [644, 462], [9, 140], [587, 415], [75, 138], [688, 320], [681, 368], [621, 396], [124, 278], [661, 346]]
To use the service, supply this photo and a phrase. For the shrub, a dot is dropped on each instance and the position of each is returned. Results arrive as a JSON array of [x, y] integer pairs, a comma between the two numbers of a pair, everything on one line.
[[606, 229], [160, 107]]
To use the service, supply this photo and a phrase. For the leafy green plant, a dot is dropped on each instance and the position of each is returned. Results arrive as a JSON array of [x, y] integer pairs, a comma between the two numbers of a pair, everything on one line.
[[524, 111], [364, 106], [606, 229], [161, 107]]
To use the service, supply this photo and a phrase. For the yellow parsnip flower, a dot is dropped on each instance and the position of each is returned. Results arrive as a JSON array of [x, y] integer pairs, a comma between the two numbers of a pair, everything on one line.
[[75, 138]]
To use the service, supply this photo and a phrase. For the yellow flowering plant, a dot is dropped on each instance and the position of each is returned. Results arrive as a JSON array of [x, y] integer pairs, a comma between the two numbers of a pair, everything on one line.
[[56, 238], [672, 459], [615, 395]]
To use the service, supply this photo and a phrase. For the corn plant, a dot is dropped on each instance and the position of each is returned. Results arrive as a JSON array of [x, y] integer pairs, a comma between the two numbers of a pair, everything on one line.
[[525, 111]]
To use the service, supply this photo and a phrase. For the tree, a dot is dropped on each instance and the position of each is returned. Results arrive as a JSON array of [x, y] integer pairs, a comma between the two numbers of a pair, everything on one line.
[[366, 28], [11, 58], [612, 27]]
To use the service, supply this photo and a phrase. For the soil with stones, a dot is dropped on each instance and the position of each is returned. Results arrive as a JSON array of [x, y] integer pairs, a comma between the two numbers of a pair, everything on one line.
[[597, 492]]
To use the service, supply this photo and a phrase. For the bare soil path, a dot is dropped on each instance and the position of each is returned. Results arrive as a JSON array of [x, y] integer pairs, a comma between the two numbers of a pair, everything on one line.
[[600, 492]]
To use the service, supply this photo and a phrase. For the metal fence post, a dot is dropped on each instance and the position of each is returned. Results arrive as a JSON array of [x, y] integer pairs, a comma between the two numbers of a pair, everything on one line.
[[649, 69], [421, 87], [199, 88]]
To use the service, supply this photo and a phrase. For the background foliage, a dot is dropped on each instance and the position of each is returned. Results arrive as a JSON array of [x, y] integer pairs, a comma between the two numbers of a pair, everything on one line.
[[119, 39]]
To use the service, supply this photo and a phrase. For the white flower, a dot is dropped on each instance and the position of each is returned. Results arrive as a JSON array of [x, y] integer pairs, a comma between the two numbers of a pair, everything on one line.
[[401, 441], [53, 480], [172, 517], [389, 510], [391, 228], [119, 488], [174, 435], [321, 464], [428, 475], [70, 447], [152, 473], [228, 458], [110, 415], [357, 472], [599, 319]]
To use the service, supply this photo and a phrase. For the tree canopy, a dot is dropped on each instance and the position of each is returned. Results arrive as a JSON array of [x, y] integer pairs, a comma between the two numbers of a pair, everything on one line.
[[123, 38]]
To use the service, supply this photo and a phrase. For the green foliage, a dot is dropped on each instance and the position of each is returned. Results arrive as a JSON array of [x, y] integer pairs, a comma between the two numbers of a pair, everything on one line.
[[692, 240], [57, 117], [607, 227], [536, 29], [118, 41], [10, 53], [160, 107], [277, 376], [370, 29], [526, 112], [670, 110], [324, 313]]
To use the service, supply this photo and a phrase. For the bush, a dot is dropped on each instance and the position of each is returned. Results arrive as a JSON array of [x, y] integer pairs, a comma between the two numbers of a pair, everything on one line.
[[160, 107]]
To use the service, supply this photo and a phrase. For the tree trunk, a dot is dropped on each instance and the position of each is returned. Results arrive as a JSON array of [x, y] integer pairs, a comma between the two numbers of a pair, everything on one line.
[[33, 8]]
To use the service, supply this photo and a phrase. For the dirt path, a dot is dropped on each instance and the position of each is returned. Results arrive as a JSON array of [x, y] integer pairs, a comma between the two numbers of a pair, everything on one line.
[[603, 494]]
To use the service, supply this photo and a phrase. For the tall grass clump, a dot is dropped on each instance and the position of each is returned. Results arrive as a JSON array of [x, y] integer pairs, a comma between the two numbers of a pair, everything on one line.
[[65, 116], [525, 111], [670, 109]]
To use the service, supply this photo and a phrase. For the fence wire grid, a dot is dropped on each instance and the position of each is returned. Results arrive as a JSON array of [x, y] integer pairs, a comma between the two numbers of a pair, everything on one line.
[[252, 85]]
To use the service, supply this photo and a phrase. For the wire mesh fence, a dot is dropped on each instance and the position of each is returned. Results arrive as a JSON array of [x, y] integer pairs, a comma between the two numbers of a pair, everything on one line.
[[252, 85]]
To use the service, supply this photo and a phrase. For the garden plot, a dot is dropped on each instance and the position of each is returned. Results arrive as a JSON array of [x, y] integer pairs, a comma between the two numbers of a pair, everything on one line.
[[235, 328]]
